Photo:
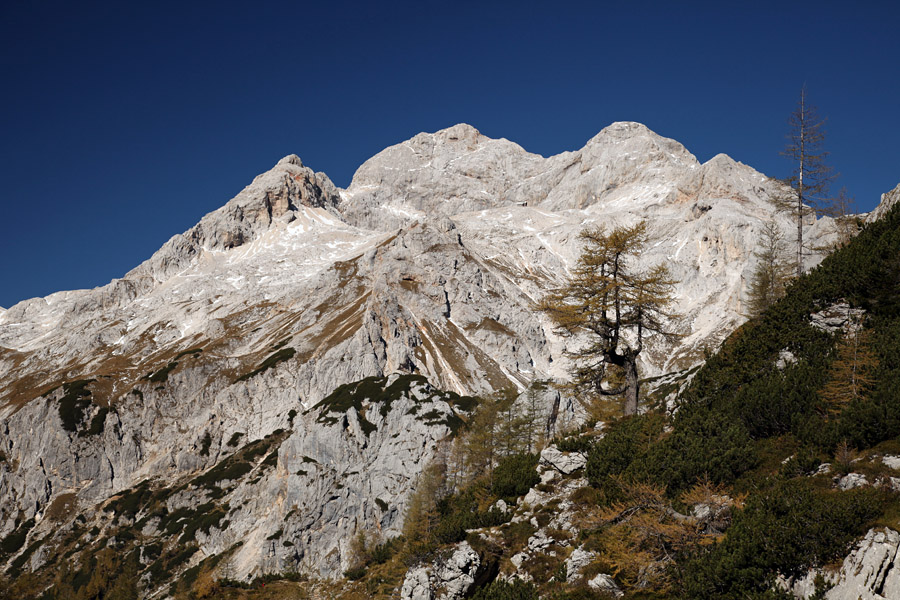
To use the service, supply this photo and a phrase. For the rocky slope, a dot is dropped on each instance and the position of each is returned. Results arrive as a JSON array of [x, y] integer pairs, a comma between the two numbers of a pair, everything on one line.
[[888, 200], [428, 264]]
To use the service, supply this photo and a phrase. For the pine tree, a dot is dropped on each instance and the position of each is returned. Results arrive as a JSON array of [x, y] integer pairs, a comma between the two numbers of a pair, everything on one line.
[[811, 177], [643, 532], [615, 305], [770, 276]]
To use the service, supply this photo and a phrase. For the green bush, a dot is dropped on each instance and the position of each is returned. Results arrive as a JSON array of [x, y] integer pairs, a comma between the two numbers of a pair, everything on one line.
[[787, 529], [626, 441], [277, 357], [507, 590], [702, 443], [97, 423], [515, 475], [459, 512], [355, 574], [205, 444], [15, 540], [575, 443], [75, 400]]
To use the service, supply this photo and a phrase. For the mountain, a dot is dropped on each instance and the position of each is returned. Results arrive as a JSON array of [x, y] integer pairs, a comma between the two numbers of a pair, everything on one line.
[[203, 401]]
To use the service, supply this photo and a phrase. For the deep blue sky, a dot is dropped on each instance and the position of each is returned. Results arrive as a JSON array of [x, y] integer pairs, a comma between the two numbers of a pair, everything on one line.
[[121, 126]]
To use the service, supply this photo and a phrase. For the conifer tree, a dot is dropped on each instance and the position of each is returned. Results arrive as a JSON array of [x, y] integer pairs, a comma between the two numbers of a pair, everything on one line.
[[846, 224], [480, 441], [615, 305], [535, 419], [770, 276], [643, 532], [852, 374], [811, 176], [422, 516]]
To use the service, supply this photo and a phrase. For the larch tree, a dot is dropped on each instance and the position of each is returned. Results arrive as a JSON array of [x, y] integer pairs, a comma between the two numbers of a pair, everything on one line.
[[613, 305], [642, 533], [811, 176], [535, 419], [846, 224], [772, 272], [851, 375]]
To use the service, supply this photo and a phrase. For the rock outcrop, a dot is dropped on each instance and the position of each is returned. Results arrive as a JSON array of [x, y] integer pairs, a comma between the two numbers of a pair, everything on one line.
[[870, 572], [888, 200], [450, 578], [564, 462]]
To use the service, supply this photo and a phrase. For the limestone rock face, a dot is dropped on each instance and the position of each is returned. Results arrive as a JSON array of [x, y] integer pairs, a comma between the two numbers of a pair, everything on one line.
[[292, 498], [872, 571], [210, 357], [888, 200]]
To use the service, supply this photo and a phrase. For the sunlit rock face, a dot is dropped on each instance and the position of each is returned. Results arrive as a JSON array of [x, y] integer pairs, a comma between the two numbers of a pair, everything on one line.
[[214, 353], [888, 200]]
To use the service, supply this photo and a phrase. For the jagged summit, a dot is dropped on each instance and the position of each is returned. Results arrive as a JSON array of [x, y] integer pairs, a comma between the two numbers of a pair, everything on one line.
[[722, 159], [277, 195], [460, 133], [620, 131], [291, 159]]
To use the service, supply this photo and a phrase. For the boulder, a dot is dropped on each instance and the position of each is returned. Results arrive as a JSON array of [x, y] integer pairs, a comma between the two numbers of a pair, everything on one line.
[[851, 481], [564, 462], [416, 585], [576, 562], [892, 461], [459, 573], [606, 584]]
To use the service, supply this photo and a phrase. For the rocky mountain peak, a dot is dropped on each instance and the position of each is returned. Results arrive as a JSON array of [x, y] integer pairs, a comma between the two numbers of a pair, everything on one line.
[[291, 159], [621, 130], [637, 138], [273, 197], [461, 133], [722, 160]]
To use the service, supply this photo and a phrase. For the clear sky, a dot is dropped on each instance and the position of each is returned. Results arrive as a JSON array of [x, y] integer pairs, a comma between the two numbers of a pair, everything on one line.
[[121, 125]]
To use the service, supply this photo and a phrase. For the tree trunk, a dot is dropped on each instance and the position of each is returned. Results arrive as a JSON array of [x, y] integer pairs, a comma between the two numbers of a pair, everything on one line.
[[551, 418], [631, 385]]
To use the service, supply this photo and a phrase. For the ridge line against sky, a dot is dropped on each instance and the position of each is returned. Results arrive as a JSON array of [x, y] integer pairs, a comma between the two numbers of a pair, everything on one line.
[[123, 125]]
